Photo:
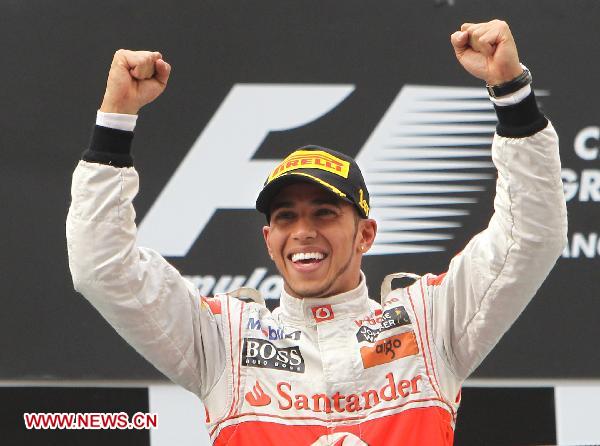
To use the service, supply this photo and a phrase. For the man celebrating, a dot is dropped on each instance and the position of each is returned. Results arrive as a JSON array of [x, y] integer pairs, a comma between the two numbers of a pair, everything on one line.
[[329, 366]]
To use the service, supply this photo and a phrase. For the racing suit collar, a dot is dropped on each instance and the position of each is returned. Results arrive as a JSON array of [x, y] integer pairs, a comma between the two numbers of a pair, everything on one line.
[[353, 303]]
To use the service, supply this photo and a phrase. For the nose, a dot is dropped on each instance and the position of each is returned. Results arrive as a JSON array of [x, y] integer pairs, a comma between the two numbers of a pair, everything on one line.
[[304, 230]]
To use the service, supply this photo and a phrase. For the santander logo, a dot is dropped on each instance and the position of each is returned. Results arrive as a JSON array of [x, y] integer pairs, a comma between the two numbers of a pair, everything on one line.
[[257, 397], [287, 399]]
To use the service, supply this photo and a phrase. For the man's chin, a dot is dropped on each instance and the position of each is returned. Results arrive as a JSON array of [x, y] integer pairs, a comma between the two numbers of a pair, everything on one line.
[[306, 292]]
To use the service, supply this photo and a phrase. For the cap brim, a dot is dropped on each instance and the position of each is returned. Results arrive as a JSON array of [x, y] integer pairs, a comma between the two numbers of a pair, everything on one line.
[[266, 196]]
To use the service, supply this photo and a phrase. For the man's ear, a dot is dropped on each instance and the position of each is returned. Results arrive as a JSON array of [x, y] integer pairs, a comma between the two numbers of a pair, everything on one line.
[[266, 230], [367, 230]]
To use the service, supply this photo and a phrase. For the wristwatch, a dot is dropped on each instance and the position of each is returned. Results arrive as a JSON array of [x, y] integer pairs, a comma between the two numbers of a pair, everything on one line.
[[511, 86]]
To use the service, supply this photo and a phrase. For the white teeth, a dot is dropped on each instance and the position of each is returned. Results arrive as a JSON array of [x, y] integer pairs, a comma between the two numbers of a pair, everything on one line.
[[307, 255]]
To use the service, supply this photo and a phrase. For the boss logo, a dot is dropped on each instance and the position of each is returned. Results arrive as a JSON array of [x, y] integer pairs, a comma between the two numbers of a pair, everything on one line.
[[322, 313], [263, 354]]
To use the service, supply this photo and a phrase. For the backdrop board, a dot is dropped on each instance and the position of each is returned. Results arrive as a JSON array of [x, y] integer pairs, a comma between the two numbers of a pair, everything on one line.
[[250, 81]]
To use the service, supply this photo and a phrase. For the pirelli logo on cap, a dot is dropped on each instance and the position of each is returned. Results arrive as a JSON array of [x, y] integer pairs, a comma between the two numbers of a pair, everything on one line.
[[311, 159]]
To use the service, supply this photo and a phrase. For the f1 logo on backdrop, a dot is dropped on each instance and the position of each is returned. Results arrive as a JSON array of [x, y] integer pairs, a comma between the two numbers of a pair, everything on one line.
[[413, 162]]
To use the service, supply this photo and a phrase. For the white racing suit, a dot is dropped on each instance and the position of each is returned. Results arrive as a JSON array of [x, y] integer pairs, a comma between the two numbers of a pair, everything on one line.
[[343, 370]]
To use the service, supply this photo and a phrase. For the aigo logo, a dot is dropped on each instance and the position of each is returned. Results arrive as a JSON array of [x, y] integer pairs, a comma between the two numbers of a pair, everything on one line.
[[418, 183], [389, 349], [322, 313]]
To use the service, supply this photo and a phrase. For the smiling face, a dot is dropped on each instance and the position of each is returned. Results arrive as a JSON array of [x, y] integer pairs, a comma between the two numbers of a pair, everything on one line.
[[316, 241]]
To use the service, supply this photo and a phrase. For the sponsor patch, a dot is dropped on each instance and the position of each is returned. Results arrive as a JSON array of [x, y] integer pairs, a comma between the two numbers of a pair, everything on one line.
[[394, 317], [363, 203], [391, 389], [390, 318], [366, 334], [311, 159], [257, 396], [263, 354], [322, 313], [271, 333], [389, 349]]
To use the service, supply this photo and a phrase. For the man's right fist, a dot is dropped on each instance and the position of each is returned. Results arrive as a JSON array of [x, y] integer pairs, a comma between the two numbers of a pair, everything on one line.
[[135, 79]]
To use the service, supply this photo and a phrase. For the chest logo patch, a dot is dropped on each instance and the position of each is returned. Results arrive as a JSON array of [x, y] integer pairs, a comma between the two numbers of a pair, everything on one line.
[[389, 349], [322, 313], [389, 319], [264, 354], [257, 396]]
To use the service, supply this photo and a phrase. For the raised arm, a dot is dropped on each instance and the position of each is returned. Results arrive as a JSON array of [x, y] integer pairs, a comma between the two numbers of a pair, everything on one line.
[[143, 297], [491, 281]]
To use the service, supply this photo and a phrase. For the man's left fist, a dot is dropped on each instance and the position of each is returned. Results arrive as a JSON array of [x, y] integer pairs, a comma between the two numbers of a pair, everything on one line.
[[487, 51]]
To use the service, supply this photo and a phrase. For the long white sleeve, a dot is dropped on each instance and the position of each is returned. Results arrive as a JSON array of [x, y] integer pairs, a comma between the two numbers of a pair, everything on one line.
[[141, 295]]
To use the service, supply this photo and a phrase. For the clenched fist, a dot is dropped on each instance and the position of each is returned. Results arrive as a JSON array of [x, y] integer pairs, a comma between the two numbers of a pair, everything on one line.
[[135, 79], [487, 51]]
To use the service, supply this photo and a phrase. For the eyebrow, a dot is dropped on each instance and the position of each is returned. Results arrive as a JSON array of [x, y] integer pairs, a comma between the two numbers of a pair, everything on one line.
[[281, 204]]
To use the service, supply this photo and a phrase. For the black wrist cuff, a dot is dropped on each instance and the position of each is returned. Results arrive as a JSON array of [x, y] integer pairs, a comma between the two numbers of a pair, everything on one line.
[[522, 80], [110, 146], [520, 120]]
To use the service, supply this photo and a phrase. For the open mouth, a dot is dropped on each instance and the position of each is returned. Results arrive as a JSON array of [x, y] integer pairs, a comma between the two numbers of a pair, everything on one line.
[[307, 258]]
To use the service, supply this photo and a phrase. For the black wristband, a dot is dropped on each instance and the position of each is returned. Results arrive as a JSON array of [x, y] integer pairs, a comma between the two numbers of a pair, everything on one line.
[[521, 119], [523, 79], [110, 146]]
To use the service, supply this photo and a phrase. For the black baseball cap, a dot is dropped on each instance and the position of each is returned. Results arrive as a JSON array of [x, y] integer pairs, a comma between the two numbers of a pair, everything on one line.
[[334, 171]]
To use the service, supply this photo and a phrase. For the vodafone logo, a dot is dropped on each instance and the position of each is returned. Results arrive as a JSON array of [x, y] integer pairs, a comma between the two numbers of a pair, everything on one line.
[[322, 313], [341, 439]]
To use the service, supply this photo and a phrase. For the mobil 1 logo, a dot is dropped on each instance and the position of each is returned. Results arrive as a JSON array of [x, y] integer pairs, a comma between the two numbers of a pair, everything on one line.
[[262, 353]]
